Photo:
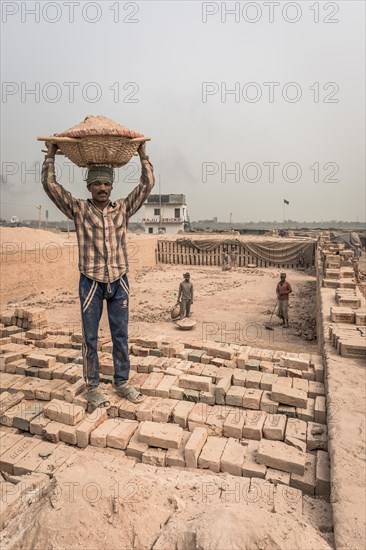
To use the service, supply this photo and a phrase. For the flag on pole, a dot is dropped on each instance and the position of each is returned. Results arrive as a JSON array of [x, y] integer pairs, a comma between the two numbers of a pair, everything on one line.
[[285, 201]]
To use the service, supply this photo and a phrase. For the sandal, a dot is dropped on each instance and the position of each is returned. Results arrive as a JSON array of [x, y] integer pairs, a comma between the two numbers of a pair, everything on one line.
[[130, 393], [97, 398]]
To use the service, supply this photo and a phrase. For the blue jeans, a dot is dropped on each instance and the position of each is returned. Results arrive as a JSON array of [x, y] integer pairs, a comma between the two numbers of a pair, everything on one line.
[[92, 295]]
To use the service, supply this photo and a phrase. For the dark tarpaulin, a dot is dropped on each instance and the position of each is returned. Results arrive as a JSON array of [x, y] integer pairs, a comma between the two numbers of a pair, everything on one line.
[[274, 252]]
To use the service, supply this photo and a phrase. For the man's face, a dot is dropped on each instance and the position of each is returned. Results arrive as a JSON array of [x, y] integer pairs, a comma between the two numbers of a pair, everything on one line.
[[186, 278], [283, 278], [101, 191]]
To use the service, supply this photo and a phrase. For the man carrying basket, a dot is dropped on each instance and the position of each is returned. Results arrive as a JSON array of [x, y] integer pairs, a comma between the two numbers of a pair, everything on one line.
[[101, 226]]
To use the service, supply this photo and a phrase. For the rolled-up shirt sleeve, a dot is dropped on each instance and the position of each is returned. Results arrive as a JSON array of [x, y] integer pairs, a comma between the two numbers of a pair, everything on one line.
[[137, 197], [59, 196]]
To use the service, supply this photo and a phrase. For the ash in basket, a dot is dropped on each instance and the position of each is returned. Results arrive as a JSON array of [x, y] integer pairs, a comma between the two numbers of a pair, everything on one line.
[[98, 140]]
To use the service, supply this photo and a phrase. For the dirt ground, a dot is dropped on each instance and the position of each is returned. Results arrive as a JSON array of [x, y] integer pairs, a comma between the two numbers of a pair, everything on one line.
[[163, 508], [228, 306]]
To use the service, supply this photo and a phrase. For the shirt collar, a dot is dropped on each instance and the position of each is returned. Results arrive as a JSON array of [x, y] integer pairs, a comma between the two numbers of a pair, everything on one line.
[[112, 204]]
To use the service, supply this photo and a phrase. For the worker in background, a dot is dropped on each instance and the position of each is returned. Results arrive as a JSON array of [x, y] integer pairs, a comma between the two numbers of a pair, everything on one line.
[[283, 290], [185, 296]]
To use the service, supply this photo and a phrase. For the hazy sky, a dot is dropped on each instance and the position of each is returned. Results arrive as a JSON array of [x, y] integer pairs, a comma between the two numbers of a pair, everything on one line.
[[292, 126]]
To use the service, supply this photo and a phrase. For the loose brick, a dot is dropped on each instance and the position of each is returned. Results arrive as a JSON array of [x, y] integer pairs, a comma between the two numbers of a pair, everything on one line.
[[181, 413], [44, 390], [165, 436], [10, 400], [204, 416], [277, 477], [165, 411], [317, 437], [252, 364], [267, 404], [320, 412], [290, 412], [316, 389], [274, 427], [278, 455], [253, 425], [85, 428], [308, 413], [163, 388], [319, 372], [29, 462], [295, 363], [154, 457], [221, 389], [296, 428], [68, 434], [251, 468], [266, 367], [98, 437], [288, 396], [253, 379], [239, 377], [40, 361], [306, 482], [235, 396], [120, 436], [210, 370], [234, 424], [175, 457], [16, 452], [300, 384], [51, 432], [194, 447], [176, 392], [60, 455], [211, 453], [252, 398], [38, 423], [232, 458], [73, 390], [207, 397], [7, 440], [136, 448], [191, 395], [192, 382], [145, 410], [150, 385], [322, 486], [27, 412], [66, 413], [267, 381]]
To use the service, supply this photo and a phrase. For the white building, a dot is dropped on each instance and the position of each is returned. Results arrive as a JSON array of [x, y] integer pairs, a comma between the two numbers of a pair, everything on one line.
[[165, 214]]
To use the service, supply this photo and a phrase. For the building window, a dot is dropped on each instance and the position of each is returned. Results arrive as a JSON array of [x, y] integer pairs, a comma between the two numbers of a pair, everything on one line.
[[151, 230], [156, 211], [177, 212]]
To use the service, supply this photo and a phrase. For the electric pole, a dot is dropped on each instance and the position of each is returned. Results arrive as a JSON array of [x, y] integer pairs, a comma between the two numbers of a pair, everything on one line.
[[39, 208]]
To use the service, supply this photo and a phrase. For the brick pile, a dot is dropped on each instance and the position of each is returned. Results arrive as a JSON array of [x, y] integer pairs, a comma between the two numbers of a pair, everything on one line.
[[347, 330], [239, 410]]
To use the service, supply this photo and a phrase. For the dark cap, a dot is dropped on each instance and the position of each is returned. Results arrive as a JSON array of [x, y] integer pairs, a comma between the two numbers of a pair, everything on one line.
[[186, 274]]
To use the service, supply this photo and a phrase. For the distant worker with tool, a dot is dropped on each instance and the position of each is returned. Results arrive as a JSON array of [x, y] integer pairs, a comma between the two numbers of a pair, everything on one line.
[[185, 296], [101, 227], [283, 290]]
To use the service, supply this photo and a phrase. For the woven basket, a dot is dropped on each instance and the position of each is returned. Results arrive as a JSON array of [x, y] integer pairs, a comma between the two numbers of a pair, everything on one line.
[[87, 150]]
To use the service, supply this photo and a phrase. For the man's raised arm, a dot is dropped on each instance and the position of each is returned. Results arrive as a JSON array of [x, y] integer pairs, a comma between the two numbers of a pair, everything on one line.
[[138, 195], [58, 194]]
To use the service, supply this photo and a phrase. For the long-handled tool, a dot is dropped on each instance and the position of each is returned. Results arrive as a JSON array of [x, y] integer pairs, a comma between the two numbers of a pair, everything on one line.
[[269, 325]]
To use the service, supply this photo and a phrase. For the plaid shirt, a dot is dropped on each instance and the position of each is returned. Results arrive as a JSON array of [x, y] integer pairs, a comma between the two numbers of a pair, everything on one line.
[[101, 234]]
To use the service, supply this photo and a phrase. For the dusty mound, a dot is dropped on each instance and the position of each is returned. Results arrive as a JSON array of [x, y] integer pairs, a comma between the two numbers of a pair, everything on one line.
[[104, 501], [235, 527], [98, 126]]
